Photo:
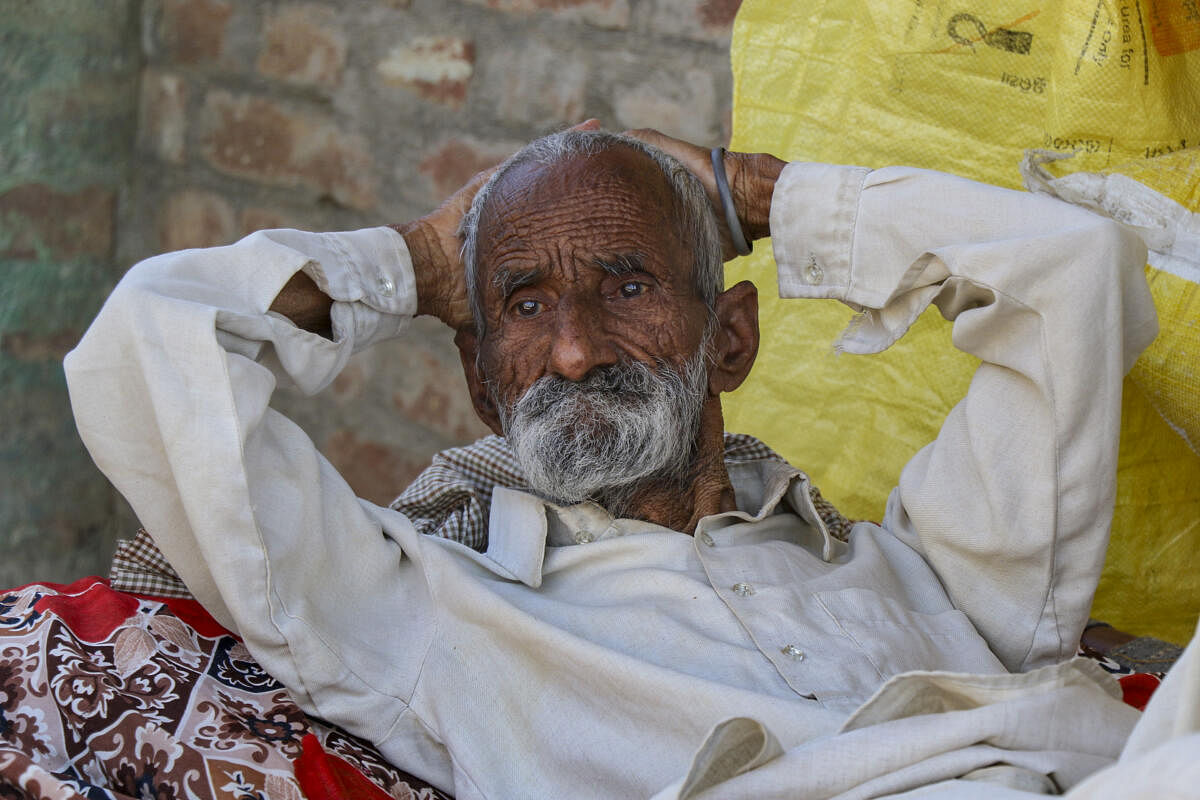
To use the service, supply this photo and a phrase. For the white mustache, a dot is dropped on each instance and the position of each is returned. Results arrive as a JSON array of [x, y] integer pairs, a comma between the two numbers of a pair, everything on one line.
[[601, 437]]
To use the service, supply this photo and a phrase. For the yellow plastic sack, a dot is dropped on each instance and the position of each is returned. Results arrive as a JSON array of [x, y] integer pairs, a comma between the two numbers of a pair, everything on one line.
[[967, 87]]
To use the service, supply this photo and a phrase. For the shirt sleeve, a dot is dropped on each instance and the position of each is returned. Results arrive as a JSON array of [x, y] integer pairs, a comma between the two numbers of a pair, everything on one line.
[[1011, 504], [170, 389]]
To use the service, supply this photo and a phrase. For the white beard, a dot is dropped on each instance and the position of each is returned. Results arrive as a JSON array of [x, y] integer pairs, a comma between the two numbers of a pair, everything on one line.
[[602, 438]]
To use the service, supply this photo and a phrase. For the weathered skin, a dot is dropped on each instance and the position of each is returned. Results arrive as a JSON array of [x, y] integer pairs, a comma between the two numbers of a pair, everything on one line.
[[554, 230], [582, 266], [602, 276]]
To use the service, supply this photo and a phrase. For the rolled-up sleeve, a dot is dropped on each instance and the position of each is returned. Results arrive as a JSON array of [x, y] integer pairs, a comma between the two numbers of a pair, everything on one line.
[[170, 389], [1011, 504]]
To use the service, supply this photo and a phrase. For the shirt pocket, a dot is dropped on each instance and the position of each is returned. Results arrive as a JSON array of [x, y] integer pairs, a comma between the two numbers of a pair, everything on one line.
[[896, 639]]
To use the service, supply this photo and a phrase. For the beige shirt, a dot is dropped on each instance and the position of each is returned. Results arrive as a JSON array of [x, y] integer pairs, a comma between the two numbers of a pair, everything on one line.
[[583, 655]]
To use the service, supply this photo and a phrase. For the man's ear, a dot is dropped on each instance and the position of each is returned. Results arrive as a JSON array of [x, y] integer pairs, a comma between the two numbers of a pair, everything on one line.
[[735, 345], [468, 352]]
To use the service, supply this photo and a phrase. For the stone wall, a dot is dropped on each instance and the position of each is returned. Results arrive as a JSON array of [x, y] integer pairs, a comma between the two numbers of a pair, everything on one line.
[[337, 115], [68, 102]]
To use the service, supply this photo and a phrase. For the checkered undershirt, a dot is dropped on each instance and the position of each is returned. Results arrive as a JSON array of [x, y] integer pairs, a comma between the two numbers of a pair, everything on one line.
[[451, 499]]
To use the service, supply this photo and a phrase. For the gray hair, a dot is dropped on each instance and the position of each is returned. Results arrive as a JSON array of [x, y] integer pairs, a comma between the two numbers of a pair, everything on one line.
[[696, 223]]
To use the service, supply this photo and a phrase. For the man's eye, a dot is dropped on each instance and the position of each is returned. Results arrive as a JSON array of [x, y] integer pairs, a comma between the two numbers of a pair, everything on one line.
[[632, 289], [527, 308]]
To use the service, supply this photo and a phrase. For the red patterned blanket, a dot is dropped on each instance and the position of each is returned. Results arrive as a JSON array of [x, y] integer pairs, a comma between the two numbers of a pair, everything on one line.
[[108, 695]]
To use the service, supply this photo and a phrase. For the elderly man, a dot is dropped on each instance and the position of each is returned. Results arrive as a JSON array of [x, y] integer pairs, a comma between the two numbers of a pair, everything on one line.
[[616, 582]]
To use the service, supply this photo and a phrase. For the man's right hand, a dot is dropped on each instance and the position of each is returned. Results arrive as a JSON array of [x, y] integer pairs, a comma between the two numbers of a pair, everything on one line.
[[435, 247]]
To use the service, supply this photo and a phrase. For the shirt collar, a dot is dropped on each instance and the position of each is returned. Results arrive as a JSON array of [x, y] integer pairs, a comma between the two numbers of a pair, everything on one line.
[[517, 535], [764, 485], [522, 525]]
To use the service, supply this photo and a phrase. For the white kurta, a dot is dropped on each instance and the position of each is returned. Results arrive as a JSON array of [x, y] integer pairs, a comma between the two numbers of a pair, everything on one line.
[[582, 655]]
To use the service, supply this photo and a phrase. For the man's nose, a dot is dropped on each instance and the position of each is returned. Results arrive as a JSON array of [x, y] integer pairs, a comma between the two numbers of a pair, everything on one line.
[[580, 342]]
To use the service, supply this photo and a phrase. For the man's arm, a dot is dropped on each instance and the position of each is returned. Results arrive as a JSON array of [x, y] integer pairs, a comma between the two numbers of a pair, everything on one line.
[[432, 245], [170, 388], [1012, 502]]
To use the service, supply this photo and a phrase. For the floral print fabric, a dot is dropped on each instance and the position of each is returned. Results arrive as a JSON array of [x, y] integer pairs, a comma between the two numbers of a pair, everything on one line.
[[107, 695]]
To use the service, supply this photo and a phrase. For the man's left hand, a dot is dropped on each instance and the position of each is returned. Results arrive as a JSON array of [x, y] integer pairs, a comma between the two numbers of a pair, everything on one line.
[[751, 178]]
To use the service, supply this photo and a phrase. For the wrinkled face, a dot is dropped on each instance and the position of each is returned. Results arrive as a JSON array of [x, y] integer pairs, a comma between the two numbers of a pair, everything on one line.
[[589, 299], [581, 266]]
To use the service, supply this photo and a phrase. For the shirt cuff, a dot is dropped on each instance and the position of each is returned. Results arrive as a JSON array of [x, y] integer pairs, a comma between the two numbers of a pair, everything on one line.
[[368, 273], [816, 216], [813, 212]]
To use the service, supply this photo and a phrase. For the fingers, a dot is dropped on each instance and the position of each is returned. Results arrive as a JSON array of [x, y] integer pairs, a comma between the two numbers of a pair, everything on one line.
[[698, 161], [753, 181], [656, 138], [460, 201], [751, 177], [692, 156], [647, 135]]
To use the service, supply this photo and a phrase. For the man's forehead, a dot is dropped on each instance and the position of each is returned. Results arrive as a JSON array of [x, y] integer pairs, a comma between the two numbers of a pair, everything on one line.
[[612, 212], [621, 170]]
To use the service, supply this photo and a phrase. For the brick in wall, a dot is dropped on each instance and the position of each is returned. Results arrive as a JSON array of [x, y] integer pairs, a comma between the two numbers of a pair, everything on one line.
[[602, 13], [534, 84], [163, 123], [303, 44], [195, 218], [438, 68], [441, 403], [262, 219], [456, 160], [701, 20], [193, 31], [377, 471], [682, 106], [261, 140], [40, 222]]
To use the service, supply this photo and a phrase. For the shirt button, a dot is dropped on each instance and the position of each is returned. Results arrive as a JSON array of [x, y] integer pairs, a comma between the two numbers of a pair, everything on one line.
[[743, 589], [813, 274], [387, 286], [793, 652], [583, 537], [706, 540]]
